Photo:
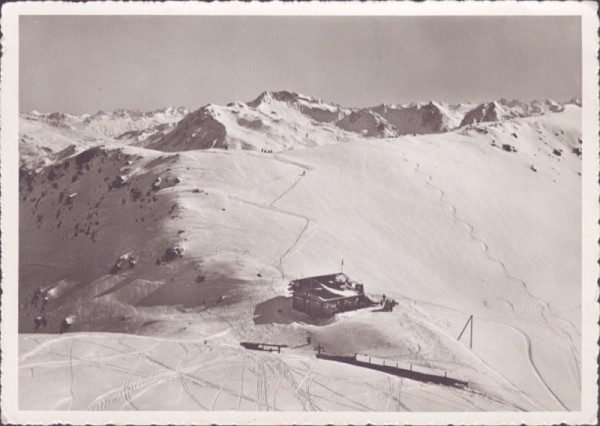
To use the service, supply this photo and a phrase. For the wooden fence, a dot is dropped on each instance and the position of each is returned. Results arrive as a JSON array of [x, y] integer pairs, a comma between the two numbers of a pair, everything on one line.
[[409, 371]]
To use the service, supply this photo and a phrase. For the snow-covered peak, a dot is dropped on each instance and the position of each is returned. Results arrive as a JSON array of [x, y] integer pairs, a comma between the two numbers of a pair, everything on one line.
[[172, 111], [282, 96], [544, 106], [422, 117], [120, 113], [283, 101], [368, 122], [504, 109], [496, 111], [514, 103], [278, 120], [273, 121], [109, 125], [237, 104]]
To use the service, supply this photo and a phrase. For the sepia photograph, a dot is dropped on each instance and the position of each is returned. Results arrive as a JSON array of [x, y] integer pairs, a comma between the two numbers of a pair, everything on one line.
[[284, 213]]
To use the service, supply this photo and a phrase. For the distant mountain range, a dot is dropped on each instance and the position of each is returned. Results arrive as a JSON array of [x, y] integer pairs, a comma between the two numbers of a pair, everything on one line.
[[283, 120]]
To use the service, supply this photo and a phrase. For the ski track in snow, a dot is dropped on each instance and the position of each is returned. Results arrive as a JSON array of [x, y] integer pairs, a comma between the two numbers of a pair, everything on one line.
[[183, 382], [471, 231], [543, 304], [301, 389], [533, 366], [128, 385], [503, 378], [71, 373], [308, 221]]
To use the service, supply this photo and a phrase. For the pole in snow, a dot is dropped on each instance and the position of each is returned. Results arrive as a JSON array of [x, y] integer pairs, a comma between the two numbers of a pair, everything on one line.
[[342, 264], [319, 349], [471, 340], [469, 321]]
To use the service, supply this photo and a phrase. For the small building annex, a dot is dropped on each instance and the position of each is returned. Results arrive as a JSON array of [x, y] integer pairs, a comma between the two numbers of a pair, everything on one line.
[[326, 295]]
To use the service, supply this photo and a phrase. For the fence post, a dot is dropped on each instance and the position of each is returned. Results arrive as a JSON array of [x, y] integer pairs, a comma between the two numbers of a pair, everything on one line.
[[369, 360], [411, 367]]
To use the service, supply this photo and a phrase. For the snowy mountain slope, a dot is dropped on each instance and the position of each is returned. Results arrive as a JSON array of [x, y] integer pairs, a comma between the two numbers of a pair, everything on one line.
[[530, 285], [51, 132], [274, 121], [286, 120], [421, 118], [110, 125], [368, 123], [39, 140], [106, 203], [506, 110], [201, 245], [203, 376], [491, 111], [316, 109], [198, 246]]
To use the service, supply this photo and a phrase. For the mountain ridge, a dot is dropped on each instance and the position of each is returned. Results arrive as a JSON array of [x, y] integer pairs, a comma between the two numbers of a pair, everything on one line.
[[273, 121]]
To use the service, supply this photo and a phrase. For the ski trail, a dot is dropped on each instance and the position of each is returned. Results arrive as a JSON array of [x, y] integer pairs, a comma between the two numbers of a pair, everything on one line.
[[398, 395], [128, 385], [392, 393], [71, 373], [198, 381], [307, 223], [311, 401], [188, 392], [241, 389], [434, 328], [389, 400], [533, 366], [292, 247], [44, 345], [305, 377], [307, 167], [284, 193], [182, 380], [543, 305], [297, 390], [270, 206], [261, 397], [344, 397], [307, 220], [471, 230], [276, 388]]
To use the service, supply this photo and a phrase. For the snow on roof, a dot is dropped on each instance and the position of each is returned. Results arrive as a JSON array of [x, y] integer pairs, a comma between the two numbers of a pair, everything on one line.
[[342, 293], [323, 278]]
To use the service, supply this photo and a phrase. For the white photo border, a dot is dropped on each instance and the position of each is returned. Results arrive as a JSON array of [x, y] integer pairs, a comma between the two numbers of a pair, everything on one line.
[[9, 161]]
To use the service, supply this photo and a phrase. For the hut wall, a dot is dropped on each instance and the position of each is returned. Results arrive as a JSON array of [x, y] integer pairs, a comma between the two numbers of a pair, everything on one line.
[[307, 303]]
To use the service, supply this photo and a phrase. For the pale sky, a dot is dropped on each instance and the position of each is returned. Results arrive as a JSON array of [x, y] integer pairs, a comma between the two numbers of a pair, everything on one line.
[[81, 64]]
